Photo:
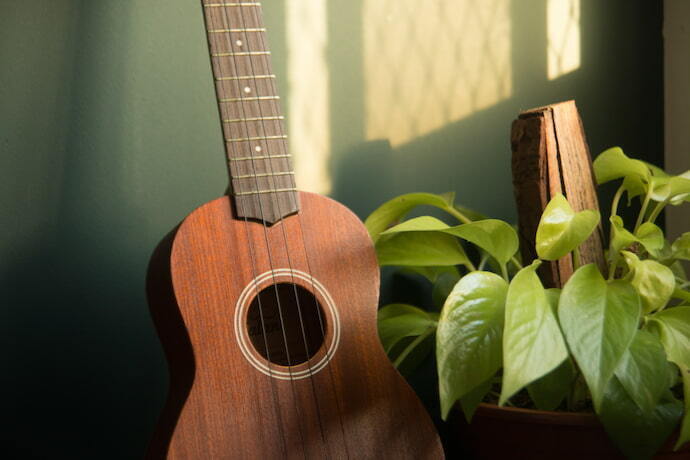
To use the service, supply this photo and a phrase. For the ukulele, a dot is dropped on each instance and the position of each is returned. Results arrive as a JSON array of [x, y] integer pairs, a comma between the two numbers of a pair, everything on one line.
[[265, 299]]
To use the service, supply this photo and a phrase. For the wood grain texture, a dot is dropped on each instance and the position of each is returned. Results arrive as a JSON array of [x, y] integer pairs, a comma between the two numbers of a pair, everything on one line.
[[551, 156], [219, 405]]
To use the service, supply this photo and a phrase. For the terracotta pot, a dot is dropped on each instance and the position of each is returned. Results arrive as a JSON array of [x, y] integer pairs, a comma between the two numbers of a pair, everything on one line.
[[509, 433]]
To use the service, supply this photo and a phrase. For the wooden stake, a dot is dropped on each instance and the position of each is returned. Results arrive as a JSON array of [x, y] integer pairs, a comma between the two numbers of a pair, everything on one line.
[[551, 156]]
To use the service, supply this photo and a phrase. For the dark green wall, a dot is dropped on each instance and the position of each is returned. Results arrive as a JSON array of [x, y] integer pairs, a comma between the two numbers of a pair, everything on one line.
[[109, 136]]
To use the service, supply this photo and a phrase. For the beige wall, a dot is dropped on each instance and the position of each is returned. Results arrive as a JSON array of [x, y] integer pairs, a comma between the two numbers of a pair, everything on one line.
[[677, 100]]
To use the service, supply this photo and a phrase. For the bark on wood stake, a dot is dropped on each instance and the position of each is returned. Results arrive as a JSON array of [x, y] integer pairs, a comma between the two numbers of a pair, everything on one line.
[[550, 156]]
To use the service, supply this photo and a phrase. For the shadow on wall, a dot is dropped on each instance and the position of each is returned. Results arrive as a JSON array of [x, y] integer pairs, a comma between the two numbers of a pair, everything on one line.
[[616, 85], [82, 372]]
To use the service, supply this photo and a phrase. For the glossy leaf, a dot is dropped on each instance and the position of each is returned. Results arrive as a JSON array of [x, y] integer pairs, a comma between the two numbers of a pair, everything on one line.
[[643, 371], [674, 189], [681, 247], [418, 224], [397, 208], [637, 434], [398, 321], [613, 164], [532, 342], [561, 229], [468, 338], [420, 249], [673, 327], [494, 236], [599, 320], [653, 281]]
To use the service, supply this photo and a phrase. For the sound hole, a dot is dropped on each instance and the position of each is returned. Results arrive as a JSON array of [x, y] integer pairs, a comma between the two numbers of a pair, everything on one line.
[[276, 333]]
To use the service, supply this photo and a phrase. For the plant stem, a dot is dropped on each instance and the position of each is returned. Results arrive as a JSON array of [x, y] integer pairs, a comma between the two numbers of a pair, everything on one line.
[[616, 200], [482, 262], [643, 209], [576, 258], [504, 272], [659, 207], [516, 263], [408, 349], [458, 215], [612, 269]]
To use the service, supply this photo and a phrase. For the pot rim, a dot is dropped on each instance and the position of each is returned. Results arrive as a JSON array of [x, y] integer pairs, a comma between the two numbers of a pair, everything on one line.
[[515, 414]]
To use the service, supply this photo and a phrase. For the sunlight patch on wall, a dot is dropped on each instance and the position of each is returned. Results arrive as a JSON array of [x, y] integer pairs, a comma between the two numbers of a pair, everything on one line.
[[563, 28], [432, 63], [308, 78]]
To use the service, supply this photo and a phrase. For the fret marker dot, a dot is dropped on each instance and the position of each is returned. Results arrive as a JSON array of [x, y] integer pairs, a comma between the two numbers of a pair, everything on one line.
[[247, 89], [238, 43], [258, 148]]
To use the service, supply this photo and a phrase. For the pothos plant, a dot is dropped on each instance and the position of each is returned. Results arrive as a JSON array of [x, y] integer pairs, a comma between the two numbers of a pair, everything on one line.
[[616, 342]]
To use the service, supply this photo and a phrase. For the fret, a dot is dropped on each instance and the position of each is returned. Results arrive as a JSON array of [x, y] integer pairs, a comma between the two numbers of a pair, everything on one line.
[[242, 53], [257, 138], [220, 5], [245, 120], [249, 99], [262, 192], [238, 31], [252, 176], [246, 77], [252, 124], [259, 157]]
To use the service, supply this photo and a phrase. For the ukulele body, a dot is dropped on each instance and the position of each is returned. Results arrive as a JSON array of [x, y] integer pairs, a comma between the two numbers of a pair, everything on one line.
[[227, 399]]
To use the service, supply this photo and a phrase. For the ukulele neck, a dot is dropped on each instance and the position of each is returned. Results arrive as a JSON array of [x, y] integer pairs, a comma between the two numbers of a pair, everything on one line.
[[261, 175]]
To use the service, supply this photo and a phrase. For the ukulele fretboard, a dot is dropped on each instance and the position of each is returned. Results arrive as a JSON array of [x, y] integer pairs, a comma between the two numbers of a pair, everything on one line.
[[262, 177]]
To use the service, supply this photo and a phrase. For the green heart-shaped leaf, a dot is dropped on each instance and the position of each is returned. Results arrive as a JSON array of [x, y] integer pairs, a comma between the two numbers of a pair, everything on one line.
[[494, 236], [468, 337], [673, 327], [638, 434], [561, 229], [599, 321], [420, 249], [681, 247], [398, 321], [643, 372], [613, 164], [653, 281], [397, 208], [674, 189], [418, 224], [532, 342]]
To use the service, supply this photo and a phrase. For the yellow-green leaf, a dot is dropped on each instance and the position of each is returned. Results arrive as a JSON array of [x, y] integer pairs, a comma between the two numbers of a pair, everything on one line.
[[533, 345], [561, 229]]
